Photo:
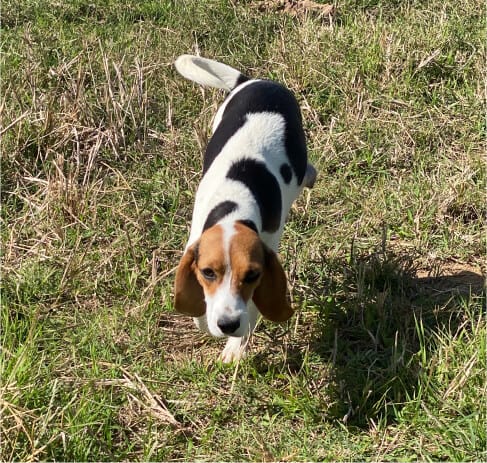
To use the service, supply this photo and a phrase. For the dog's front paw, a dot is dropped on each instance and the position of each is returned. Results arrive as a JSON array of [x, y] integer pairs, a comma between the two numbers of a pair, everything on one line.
[[235, 350]]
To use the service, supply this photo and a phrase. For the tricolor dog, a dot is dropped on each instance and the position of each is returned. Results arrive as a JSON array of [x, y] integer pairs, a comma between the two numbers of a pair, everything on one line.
[[254, 167]]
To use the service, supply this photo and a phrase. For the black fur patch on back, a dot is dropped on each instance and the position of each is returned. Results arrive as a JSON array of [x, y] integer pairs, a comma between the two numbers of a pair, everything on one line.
[[263, 186], [218, 212], [286, 173], [250, 224], [262, 96]]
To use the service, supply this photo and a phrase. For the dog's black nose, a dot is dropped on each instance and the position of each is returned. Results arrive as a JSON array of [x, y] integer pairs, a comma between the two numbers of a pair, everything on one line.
[[228, 325]]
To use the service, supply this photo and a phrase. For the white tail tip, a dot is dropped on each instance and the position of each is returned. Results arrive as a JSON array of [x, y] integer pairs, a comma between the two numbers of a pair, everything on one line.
[[208, 72]]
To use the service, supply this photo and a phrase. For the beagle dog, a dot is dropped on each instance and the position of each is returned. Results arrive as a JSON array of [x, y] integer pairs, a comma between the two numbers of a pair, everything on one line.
[[254, 167]]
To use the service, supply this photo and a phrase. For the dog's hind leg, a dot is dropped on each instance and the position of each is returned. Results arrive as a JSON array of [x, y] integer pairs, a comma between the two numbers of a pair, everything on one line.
[[310, 176]]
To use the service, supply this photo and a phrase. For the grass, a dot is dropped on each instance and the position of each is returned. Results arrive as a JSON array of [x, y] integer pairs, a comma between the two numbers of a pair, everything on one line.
[[101, 142]]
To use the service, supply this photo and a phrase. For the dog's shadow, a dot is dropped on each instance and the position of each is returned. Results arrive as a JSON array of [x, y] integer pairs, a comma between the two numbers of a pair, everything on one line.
[[373, 327]]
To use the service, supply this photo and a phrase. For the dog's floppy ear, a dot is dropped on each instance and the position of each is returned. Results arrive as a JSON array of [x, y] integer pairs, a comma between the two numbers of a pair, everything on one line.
[[189, 297], [270, 296]]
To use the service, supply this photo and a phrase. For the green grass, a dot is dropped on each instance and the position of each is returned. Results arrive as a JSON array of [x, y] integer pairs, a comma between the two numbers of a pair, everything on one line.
[[101, 156]]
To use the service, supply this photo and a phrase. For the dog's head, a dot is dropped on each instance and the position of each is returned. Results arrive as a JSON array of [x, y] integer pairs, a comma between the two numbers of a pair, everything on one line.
[[226, 268]]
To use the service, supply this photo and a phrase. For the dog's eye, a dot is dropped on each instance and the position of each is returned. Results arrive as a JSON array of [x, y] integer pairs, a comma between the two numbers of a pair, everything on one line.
[[251, 276], [208, 274]]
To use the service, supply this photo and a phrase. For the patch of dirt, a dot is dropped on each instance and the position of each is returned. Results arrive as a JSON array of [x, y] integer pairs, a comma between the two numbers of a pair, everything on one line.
[[453, 277]]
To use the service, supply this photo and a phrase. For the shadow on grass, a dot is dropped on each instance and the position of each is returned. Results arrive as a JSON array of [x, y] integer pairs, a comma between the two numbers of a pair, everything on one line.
[[375, 326], [374, 322]]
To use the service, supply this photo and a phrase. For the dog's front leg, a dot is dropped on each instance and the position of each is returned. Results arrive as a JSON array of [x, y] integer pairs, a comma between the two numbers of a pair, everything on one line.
[[236, 348]]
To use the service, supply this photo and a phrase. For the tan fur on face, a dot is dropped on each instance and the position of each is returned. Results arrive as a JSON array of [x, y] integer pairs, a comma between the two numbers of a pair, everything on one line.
[[211, 254], [246, 254], [269, 292]]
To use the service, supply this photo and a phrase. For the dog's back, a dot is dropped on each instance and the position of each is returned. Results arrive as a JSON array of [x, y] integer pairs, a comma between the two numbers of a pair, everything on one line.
[[262, 97], [255, 163]]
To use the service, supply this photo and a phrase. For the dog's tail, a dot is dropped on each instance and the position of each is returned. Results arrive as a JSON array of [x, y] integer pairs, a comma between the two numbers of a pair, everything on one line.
[[208, 72]]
